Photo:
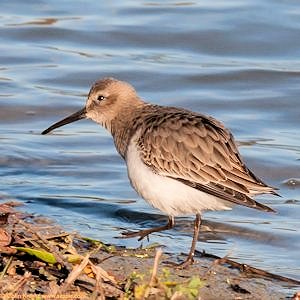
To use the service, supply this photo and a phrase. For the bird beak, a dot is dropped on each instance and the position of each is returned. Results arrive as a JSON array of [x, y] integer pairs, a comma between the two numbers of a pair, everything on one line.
[[81, 114]]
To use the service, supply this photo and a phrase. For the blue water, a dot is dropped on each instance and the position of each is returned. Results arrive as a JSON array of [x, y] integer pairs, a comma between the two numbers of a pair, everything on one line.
[[235, 60]]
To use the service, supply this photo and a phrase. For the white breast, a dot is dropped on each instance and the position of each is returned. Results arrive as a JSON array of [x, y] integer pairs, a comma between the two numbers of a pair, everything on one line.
[[168, 195]]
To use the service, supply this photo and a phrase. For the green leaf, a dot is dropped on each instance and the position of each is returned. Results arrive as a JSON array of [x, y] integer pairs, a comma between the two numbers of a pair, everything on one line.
[[106, 248], [96, 242], [195, 283], [73, 259], [41, 254]]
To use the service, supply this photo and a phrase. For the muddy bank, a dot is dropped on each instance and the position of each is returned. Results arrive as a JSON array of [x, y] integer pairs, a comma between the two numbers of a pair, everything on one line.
[[39, 260]]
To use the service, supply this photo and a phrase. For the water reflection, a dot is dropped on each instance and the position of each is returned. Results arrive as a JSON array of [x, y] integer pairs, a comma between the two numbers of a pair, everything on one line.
[[45, 21]]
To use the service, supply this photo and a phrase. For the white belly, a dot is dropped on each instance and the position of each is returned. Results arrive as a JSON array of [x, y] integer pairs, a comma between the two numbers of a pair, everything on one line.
[[168, 195]]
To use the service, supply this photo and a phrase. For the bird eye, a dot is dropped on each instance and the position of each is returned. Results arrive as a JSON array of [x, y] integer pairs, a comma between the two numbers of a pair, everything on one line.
[[100, 98]]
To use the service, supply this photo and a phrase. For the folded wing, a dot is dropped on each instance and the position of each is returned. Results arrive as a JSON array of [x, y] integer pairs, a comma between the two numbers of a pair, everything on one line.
[[200, 152]]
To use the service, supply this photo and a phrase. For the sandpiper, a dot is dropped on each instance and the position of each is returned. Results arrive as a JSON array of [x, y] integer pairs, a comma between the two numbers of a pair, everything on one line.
[[179, 161]]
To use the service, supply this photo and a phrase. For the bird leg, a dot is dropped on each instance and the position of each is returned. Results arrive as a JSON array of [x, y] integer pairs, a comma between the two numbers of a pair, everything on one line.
[[190, 259], [146, 232]]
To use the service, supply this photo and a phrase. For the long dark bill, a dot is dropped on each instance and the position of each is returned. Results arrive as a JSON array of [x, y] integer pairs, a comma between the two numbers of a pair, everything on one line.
[[81, 114]]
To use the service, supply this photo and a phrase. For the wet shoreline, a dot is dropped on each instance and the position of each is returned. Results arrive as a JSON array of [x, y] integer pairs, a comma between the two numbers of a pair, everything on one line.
[[40, 258]]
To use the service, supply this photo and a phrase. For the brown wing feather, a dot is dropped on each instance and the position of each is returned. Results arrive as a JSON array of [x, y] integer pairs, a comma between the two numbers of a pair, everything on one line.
[[200, 152]]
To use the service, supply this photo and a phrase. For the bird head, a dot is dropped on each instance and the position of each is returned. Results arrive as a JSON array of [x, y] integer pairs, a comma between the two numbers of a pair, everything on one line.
[[107, 100]]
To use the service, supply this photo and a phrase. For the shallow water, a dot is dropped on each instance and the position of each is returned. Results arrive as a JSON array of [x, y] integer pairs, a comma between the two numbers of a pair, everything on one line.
[[235, 60]]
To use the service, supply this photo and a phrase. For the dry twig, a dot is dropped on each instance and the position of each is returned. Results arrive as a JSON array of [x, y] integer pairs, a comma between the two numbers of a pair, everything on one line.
[[74, 274], [6, 267], [153, 279], [248, 269], [18, 286], [99, 291]]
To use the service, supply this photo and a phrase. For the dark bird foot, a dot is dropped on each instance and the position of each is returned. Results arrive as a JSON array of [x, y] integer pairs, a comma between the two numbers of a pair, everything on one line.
[[145, 233], [141, 234]]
